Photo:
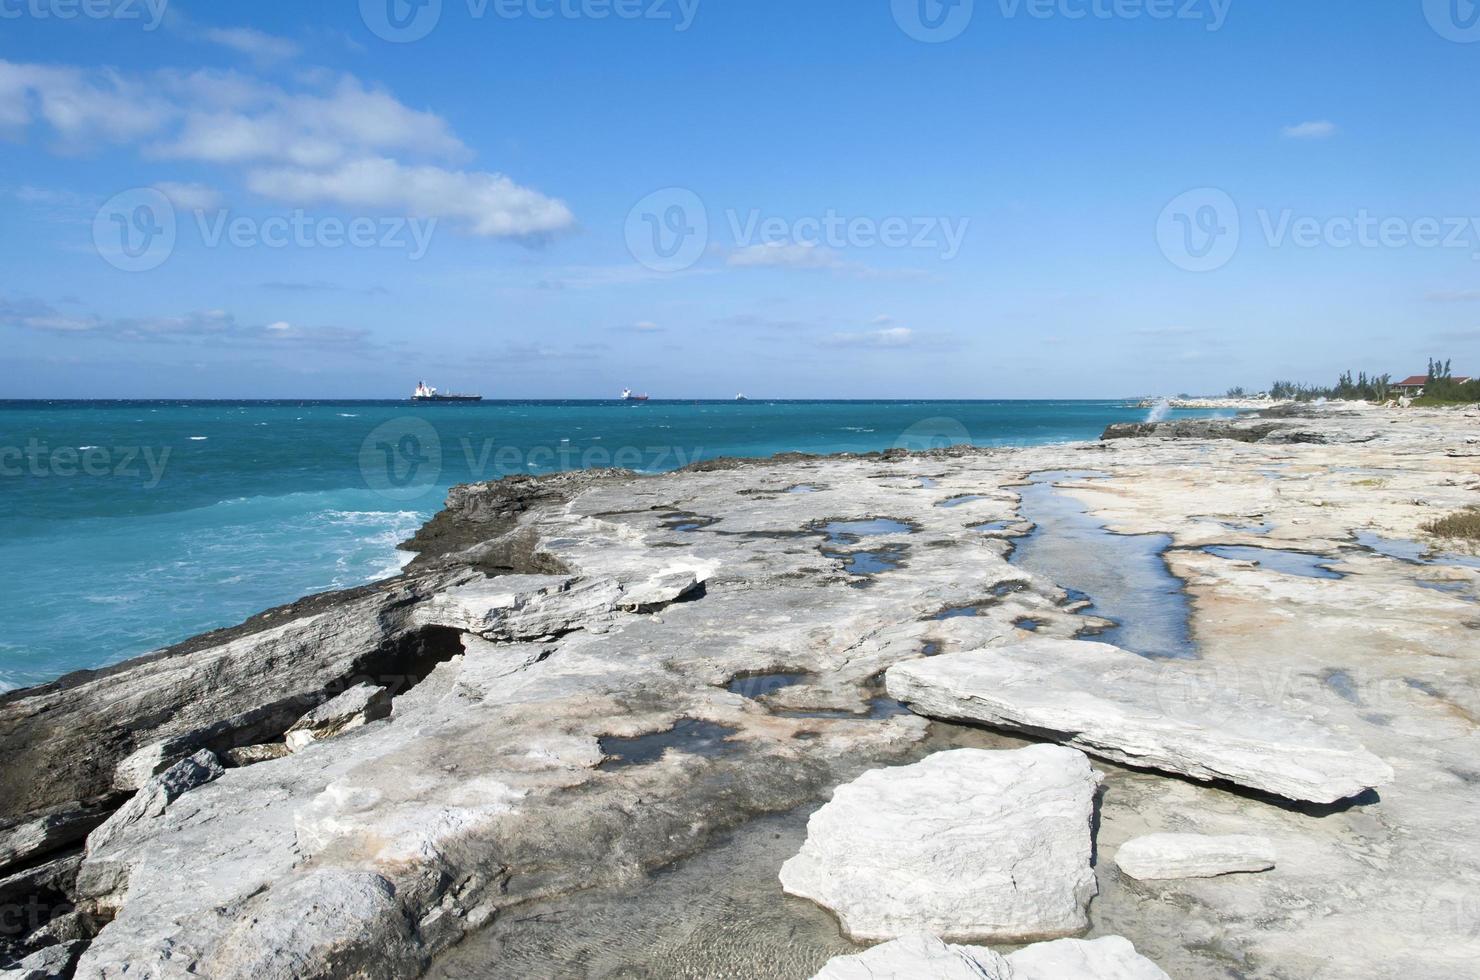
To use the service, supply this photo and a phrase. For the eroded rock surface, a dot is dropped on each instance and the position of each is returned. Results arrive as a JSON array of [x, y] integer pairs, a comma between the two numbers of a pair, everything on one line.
[[487, 788], [1126, 708], [969, 845]]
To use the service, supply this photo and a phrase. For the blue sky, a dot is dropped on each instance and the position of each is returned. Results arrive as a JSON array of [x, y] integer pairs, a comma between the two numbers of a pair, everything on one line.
[[793, 198]]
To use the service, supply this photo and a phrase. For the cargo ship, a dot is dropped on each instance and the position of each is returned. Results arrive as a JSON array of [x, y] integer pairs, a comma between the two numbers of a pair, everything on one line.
[[628, 396], [426, 393]]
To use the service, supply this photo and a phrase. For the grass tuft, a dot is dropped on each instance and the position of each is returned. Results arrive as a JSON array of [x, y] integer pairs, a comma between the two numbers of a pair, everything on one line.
[[1464, 525]]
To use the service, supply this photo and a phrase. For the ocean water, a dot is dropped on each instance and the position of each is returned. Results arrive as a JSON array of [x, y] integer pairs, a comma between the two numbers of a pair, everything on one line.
[[127, 526]]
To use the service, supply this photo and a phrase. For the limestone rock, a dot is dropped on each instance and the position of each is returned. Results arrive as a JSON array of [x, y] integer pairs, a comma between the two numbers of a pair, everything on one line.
[[22, 840], [967, 844], [1106, 958], [358, 706], [924, 957], [918, 957], [248, 755], [314, 928], [1194, 855], [1125, 708], [158, 793]]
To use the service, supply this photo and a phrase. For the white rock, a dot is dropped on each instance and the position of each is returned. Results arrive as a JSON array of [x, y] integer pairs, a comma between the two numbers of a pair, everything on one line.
[[924, 957], [918, 957], [1176, 718], [967, 844], [1106, 958], [358, 706], [1194, 855]]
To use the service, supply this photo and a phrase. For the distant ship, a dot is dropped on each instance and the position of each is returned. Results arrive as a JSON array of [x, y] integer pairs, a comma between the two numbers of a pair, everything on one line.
[[426, 393], [628, 396], [741, 398]]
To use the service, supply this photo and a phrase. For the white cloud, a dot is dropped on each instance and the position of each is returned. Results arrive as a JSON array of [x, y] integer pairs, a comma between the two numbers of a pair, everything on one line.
[[190, 197], [889, 337], [331, 139], [249, 41], [489, 204], [785, 255], [1318, 129]]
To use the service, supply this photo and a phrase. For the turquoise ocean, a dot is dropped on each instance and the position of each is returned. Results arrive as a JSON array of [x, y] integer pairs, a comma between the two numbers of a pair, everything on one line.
[[127, 526]]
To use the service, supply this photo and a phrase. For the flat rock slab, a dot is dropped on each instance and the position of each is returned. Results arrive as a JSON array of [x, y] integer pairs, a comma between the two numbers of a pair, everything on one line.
[[1156, 856], [1128, 709], [967, 844], [924, 957]]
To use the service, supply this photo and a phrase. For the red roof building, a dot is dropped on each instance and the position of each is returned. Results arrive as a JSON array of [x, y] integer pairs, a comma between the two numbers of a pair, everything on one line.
[[1416, 383]]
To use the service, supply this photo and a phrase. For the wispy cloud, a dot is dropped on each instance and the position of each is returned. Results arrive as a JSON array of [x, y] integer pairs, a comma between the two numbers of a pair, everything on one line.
[[641, 327], [328, 139], [252, 42], [1455, 296], [190, 197], [206, 328], [887, 338], [1317, 129]]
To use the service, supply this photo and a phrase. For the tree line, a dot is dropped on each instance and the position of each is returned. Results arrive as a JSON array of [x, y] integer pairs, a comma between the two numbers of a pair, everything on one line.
[[1440, 388]]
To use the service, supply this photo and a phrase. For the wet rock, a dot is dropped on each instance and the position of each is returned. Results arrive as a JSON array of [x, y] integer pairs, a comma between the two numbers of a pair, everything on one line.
[[1192, 429], [1131, 710], [967, 844], [1158, 856], [924, 957], [151, 801], [358, 706]]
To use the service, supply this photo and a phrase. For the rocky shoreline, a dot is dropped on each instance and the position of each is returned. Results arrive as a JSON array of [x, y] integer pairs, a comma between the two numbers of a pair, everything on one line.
[[585, 678]]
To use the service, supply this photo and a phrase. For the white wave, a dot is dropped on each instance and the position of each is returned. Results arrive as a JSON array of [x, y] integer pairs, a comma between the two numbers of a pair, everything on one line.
[[1159, 411], [348, 415], [199, 438], [86, 448]]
